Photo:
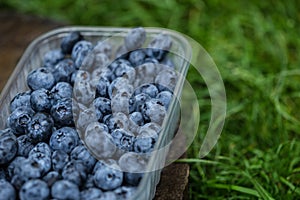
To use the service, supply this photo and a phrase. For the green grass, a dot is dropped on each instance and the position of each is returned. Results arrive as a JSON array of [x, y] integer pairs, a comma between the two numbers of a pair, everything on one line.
[[256, 48]]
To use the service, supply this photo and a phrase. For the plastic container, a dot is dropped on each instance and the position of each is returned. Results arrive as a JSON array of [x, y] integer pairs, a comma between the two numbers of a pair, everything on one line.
[[32, 58]]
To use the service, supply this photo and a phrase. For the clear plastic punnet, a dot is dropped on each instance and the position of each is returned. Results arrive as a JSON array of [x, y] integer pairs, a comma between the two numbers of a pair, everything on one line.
[[181, 53]]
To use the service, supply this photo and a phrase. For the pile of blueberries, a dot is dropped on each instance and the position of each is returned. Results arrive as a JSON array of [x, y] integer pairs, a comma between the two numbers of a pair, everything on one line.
[[89, 121]]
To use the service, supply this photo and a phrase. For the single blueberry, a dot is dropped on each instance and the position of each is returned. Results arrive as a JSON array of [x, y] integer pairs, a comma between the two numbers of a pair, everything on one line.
[[40, 78], [102, 87], [75, 171], [61, 90], [137, 118], [13, 167], [24, 145], [7, 191], [147, 88], [61, 111], [135, 38], [165, 97], [125, 192], [159, 46], [64, 189], [19, 119], [69, 41], [154, 111], [8, 146], [64, 70], [81, 153], [40, 127], [35, 189], [51, 177], [65, 139], [59, 160], [138, 101], [137, 57], [108, 177], [41, 147], [98, 140], [21, 99], [123, 139], [52, 57], [91, 193], [43, 160], [102, 105], [145, 141], [133, 166], [41, 100], [80, 51]]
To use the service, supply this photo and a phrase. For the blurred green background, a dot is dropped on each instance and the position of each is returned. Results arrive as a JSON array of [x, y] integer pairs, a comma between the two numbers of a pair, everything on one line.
[[256, 46]]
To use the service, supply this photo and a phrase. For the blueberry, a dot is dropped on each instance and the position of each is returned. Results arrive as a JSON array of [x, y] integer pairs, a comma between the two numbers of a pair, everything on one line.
[[84, 117], [21, 99], [124, 192], [135, 38], [138, 101], [41, 147], [8, 146], [98, 141], [123, 139], [3, 173], [120, 102], [75, 171], [79, 52], [103, 47], [19, 119], [116, 120], [43, 160], [91, 193], [84, 92], [108, 195], [40, 127], [137, 118], [51, 177], [59, 160], [159, 46], [102, 105], [65, 139], [166, 79], [7, 191], [165, 97], [80, 75], [24, 145], [137, 57], [89, 182], [151, 60], [119, 66], [133, 166], [168, 62], [61, 111], [108, 177], [63, 70], [41, 100], [119, 84], [69, 41], [52, 57], [81, 153], [34, 190], [13, 167], [154, 111], [61, 90], [40, 78], [102, 87], [64, 189], [145, 141], [147, 88]]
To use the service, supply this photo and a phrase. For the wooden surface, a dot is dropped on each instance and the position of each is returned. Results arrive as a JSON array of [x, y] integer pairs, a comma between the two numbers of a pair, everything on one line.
[[17, 31]]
